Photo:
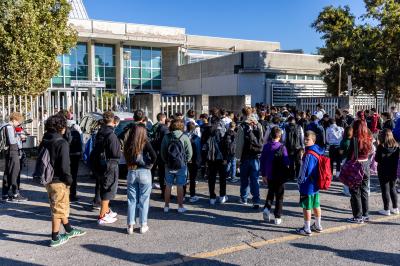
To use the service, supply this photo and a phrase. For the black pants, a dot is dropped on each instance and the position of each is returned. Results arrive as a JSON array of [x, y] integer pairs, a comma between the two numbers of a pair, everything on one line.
[[97, 198], [335, 157], [11, 172], [295, 165], [215, 167], [193, 169], [276, 190], [359, 196], [74, 172], [388, 188]]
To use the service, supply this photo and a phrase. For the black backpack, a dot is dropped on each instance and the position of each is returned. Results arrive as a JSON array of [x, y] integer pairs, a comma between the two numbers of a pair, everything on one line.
[[253, 140], [76, 143], [279, 169], [157, 138], [176, 153], [214, 152], [229, 144], [292, 142]]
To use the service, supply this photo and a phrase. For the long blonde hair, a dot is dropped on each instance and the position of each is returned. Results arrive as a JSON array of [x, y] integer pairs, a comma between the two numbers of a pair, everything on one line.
[[135, 143]]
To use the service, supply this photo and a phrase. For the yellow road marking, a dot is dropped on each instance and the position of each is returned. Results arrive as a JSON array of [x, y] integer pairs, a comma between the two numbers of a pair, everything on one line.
[[259, 244]]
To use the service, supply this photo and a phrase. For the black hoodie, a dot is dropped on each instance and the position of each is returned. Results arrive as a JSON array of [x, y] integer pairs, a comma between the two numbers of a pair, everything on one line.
[[387, 159]]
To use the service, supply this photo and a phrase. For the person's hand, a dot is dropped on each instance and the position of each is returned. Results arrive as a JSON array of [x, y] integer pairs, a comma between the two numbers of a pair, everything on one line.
[[225, 162], [265, 180]]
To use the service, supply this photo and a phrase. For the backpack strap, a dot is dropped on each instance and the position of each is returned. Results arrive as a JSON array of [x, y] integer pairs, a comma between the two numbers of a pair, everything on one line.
[[313, 153]]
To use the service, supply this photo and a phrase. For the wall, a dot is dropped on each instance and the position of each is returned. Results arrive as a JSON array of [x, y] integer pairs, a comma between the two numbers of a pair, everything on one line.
[[253, 84], [169, 70], [149, 103], [230, 103]]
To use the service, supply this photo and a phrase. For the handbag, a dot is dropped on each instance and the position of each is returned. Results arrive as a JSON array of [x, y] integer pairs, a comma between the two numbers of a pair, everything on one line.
[[352, 172]]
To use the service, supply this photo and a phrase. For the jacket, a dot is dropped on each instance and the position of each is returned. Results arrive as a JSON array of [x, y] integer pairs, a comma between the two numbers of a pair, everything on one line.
[[185, 141], [147, 160], [59, 155], [334, 135], [107, 140], [196, 148], [319, 131], [308, 177], [240, 151], [387, 159], [267, 158]]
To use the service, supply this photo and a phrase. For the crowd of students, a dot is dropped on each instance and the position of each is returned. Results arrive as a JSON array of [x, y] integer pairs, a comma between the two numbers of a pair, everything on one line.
[[280, 144]]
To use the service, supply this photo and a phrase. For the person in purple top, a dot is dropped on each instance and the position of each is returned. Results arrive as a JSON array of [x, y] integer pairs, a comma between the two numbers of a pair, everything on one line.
[[274, 165]]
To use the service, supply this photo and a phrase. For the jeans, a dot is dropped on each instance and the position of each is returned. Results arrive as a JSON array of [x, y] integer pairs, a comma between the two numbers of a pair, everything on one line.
[[138, 190], [276, 191], [215, 167], [359, 196], [249, 174], [231, 167], [388, 188]]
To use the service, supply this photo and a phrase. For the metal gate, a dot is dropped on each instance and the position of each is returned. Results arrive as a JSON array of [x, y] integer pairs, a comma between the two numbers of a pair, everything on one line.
[[177, 104]]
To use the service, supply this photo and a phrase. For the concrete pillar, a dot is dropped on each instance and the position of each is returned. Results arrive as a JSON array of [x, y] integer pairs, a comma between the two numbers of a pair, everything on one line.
[[119, 67], [170, 60], [92, 71], [201, 104]]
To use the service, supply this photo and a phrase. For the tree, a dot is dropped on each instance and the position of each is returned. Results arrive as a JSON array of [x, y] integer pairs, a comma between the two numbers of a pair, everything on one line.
[[32, 34], [371, 49]]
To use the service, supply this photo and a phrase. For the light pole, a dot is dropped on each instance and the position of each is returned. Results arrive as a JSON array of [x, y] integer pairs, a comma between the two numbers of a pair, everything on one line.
[[340, 62], [127, 58]]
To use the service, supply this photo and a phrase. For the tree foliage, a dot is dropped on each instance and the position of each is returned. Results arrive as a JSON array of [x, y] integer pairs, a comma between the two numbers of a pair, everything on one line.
[[371, 48], [32, 34]]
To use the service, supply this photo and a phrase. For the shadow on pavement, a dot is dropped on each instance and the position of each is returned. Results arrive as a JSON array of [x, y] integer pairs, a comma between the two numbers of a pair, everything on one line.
[[150, 258], [360, 255], [4, 261]]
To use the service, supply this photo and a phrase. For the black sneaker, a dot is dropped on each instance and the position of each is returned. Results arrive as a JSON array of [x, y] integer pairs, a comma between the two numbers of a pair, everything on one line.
[[256, 206], [355, 220], [4, 198], [18, 198], [316, 229], [365, 219]]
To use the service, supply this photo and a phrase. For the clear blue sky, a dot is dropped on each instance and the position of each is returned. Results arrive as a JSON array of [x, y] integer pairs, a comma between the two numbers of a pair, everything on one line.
[[284, 21]]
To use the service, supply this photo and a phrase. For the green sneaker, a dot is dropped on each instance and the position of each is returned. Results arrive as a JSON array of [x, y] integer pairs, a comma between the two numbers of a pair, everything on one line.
[[62, 239], [75, 233]]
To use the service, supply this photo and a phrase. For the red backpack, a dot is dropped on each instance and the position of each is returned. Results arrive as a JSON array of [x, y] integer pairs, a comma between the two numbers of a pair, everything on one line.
[[324, 170]]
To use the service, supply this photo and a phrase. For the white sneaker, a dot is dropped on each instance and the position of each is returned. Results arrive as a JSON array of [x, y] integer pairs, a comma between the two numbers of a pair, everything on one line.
[[166, 209], [384, 212], [193, 199], [182, 210], [111, 214], [278, 221], [156, 186], [396, 211], [106, 220], [223, 199], [144, 228], [130, 229], [212, 201], [266, 215]]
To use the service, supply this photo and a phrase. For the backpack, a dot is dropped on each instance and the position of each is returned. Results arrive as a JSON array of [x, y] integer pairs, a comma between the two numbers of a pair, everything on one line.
[[253, 140], [97, 157], [229, 144], [192, 138], [157, 138], [352, 172], [176, 153], [44, 170], [293, 138], [324, 170], [3, 138], [76, 143], [213, 150], [279, 169]]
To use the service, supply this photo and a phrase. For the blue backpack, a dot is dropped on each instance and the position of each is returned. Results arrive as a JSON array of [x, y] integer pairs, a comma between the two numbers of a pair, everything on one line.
[[396, 130]]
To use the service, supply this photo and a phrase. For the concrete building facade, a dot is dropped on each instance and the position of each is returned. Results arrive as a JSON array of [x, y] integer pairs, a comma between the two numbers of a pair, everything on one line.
[[156, 59]]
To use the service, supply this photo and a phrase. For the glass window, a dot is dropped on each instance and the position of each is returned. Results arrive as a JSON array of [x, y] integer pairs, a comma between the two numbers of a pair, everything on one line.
[[291, 77], [156, 84], [156, 74], [156, 58], [135, 73], [280, 76], [105, 64], [146, 57], [301, 77], [146, 73], [146, 84], [109, 72]]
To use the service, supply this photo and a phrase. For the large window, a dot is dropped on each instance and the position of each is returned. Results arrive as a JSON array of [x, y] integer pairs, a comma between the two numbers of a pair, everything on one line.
[[74, 66], [105, 65], [143, 70]]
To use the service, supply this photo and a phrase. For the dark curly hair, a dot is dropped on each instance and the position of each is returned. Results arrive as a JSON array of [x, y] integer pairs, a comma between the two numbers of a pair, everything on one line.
[[55, 123]]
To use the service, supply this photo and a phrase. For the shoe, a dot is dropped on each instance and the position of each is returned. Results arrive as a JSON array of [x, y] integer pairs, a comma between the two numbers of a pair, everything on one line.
[[166, 209], [278, 221], [95, 206], [303, 232], [317, 229], [384, 212], [223, 199], [398, 190], [365, 219], [145, 228], [182, 210], [396, 211], [212, 201], [5, 198], [18, 198], [106, 220], [233, 180], [193, 199], [156, 186], [256, 206], [129, 229], [111, 214], [243, 201], [75, 233], [355, 220], [62, 239], [266, 215]]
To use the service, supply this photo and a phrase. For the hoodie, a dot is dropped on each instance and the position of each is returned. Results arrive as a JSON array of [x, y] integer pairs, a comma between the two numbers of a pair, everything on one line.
[[387, 159], [308, 176], [267, 158]]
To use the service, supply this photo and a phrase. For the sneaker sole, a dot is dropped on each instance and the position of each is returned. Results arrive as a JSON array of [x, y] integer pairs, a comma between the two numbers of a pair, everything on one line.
[[303, 234], [59, 244], [104, 223], [79, 235]]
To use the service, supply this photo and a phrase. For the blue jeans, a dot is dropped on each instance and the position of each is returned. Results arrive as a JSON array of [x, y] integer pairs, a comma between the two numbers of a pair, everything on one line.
[[231, 167], [139, 190], [249, 173], [178, 177]]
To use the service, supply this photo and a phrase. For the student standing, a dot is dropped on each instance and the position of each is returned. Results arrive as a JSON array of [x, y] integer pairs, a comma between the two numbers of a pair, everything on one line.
[[387, 157], [140, 158]]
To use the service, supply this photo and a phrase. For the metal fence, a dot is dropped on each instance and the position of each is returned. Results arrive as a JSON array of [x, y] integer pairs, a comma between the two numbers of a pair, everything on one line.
[[330, 104], [177, 104]]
